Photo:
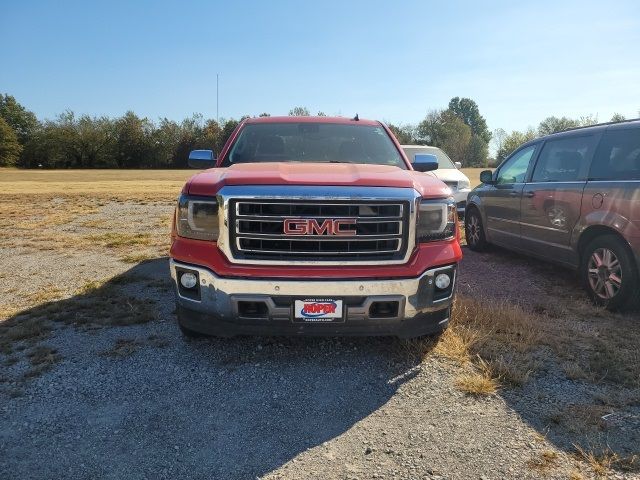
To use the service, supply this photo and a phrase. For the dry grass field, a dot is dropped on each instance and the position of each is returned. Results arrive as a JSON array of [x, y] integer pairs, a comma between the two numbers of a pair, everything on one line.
[[521, 331], [116, 181], [105, 183], [474, 175]]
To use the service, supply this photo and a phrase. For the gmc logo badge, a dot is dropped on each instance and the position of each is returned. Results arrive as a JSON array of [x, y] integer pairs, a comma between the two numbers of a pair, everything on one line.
[[310, 226]]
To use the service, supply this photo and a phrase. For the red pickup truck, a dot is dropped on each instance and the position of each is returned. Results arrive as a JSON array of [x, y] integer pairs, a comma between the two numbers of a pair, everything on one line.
[[314, 225]]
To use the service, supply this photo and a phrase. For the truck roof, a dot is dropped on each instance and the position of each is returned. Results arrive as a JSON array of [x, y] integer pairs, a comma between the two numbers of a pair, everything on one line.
[[311, 119]]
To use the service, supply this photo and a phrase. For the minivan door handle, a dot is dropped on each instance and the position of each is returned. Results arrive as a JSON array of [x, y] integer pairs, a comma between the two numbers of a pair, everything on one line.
[[530, 194], [513, 194]]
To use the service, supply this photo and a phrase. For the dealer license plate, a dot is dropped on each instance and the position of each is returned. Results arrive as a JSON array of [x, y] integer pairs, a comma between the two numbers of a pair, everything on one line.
[[318, 310]]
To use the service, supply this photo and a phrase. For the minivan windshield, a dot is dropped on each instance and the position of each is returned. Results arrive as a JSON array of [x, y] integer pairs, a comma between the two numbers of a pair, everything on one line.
[[314, 142]]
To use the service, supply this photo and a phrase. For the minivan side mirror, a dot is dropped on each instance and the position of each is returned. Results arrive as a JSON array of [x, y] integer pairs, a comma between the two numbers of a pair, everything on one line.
[[458, 164], [425, 162], [486, 177], [202, 159]]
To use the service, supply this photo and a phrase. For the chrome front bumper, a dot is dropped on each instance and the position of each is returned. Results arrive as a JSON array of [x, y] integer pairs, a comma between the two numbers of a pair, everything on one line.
[[422, 309]]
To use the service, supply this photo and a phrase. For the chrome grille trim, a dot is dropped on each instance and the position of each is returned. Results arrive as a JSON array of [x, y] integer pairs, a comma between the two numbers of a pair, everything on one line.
[[385, 220], [327, 253], [257, 245], [315, 205], [230, 242]]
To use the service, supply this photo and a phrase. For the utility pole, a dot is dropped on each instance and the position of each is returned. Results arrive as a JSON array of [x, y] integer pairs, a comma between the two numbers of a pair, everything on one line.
[[217, 99]]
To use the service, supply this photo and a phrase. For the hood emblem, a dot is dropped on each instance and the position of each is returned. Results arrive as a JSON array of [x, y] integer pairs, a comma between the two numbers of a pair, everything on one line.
[[311, 226]]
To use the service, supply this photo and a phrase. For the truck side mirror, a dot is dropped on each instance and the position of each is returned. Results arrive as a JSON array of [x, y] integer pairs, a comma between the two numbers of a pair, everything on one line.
[[458, 165], [425, 162], [202, 159], [486, 177]]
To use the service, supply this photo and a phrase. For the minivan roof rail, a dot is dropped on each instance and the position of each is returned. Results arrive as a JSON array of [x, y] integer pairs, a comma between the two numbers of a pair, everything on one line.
[[597, 125]]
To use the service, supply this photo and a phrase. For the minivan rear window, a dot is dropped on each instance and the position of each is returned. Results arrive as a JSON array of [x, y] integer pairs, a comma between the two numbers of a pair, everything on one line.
[[618, 156]]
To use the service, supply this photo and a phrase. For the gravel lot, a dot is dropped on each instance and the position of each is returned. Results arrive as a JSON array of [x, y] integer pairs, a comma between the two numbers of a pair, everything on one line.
[[139, 401]]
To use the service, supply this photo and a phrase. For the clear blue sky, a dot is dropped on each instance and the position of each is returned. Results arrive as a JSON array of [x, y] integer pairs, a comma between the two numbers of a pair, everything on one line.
[[385, 60]]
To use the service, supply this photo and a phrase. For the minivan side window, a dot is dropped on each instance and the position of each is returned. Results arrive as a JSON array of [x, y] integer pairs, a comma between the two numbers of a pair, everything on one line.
[[515, 169], [618, 156], [564, 159]]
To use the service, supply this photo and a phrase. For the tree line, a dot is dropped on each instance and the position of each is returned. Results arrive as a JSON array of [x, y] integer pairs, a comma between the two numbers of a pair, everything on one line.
[[505, 143], [130, 141], [462, 132]]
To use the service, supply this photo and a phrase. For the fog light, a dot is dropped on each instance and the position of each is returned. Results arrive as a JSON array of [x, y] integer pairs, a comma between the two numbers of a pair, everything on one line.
[[443, 281], [188, 280]]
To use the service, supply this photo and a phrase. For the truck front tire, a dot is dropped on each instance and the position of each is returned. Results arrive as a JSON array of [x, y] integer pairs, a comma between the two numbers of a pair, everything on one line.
[[186, 332]]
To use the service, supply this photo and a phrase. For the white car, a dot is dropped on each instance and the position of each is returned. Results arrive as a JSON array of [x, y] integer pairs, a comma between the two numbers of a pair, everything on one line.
[[448, 171]]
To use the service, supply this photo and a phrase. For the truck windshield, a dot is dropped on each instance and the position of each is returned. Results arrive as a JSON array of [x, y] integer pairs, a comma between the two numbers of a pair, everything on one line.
[[313, 142]]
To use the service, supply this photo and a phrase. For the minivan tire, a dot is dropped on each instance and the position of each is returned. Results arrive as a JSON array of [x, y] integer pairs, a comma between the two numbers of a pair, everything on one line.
[[611, 251], [474, 230]]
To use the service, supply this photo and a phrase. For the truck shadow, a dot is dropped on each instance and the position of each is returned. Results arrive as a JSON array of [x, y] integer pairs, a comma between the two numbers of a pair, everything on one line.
[[127, 396]]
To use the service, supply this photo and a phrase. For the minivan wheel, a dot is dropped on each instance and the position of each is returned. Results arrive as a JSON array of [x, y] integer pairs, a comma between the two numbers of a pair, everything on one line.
[[608, 272], [473, 230]]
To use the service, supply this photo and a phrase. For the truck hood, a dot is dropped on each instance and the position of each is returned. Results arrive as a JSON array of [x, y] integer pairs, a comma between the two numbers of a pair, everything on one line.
[[211, 181]]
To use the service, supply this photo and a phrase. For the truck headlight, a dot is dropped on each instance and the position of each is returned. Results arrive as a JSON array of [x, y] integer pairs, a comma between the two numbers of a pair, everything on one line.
[[197, 218], [436, 220], [463, 184]]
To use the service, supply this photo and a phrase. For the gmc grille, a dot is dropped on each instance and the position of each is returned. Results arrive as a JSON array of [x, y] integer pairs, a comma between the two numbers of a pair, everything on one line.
[[257, 230]]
